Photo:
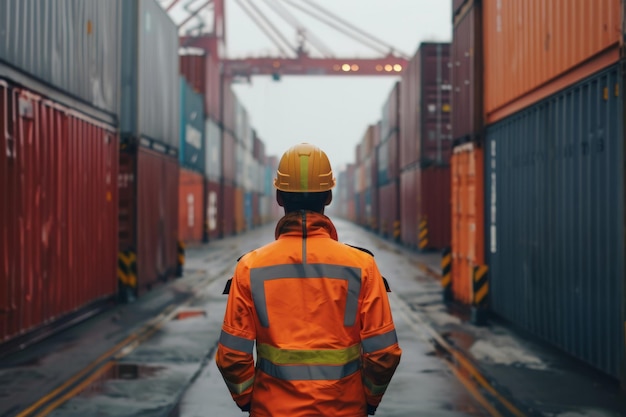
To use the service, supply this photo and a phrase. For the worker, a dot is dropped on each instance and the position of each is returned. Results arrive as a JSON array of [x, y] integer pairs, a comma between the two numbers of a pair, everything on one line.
[[317, 309]]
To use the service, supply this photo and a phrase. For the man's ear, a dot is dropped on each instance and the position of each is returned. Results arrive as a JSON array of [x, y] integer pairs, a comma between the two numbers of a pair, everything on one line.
[[279, 198], [329, 198]]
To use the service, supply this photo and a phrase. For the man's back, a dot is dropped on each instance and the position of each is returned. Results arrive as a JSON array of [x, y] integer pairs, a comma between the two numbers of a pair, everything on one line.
[[309, 300]]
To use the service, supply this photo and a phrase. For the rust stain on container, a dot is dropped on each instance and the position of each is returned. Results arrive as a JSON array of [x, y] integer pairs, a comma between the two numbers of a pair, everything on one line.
[[533, 49]]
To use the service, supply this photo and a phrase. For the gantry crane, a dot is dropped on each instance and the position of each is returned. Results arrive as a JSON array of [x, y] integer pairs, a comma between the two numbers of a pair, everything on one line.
[[290, 60]]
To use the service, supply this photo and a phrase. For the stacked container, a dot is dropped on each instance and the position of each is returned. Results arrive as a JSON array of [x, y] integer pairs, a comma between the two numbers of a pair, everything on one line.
[[425, 145], [149, 130], [388, 167], [192, 165], [555, 173], [59, 161], [467, 170]]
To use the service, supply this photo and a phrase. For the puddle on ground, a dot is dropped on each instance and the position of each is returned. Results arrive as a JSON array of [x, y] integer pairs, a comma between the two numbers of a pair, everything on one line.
[[118, 371]]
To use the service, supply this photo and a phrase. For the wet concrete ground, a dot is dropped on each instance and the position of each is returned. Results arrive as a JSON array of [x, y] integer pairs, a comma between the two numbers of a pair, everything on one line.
[[169, 369]]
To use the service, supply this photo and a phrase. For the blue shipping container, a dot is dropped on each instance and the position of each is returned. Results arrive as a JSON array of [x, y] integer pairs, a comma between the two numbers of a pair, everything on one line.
[[555, 219], [192, 139]]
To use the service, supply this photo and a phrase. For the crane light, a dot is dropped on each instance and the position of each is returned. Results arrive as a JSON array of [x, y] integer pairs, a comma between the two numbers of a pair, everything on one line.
[[379, 68], [354, 67], [345, 67], [397, 68], [388, 68]]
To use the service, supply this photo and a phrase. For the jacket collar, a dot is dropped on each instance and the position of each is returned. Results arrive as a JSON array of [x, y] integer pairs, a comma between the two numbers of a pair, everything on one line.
[[316, 225]]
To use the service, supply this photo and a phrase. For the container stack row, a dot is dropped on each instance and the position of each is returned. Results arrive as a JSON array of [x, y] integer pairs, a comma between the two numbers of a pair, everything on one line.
[[511, 156], [116, 149], [401, 170]]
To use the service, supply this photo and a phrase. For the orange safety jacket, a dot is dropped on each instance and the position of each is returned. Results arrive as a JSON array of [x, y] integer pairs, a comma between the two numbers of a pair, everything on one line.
[[318, 310]]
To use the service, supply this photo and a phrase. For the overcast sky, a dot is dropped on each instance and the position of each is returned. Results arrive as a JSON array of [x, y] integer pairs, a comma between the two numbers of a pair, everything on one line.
[[331, 112]]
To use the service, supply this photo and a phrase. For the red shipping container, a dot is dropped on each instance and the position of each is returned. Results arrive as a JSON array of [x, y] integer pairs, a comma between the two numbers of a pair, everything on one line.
[[425, 129], [256, 210], [534, 48], [389, 210], [425, 213], [238, 208], [148, 216], [227, 207], [467, 74], [213, 221], [58, 211], [203, 70], [191, 207]]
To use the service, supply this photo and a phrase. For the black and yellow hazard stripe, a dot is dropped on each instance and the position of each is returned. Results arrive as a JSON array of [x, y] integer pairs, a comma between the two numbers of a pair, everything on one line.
[[446, 274], [480, 291], [181, 259], [423, 235], [127, 269], [396, 230]]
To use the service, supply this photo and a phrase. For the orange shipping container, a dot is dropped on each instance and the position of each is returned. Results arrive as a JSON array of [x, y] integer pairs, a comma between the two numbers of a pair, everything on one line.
[[468, 248], [190, 206], [534, 48]]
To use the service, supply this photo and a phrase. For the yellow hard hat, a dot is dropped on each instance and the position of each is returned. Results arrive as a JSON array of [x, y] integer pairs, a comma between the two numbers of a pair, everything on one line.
[[304, 168]]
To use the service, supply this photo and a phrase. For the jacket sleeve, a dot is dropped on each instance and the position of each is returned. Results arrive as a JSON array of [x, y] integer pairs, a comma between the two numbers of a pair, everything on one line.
[[380, 350], [234, 350]]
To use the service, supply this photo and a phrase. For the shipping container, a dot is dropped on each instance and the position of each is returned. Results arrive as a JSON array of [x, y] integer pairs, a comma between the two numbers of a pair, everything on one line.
[[390, 121], [533, 49], [467, 74], [425, 207], [191, 207], [149, 74], [468, 218], [457, 5], [228, 157], [239, 210], [389, 210], [213, 212], [73, 46], [248, 212], [192, 150], [256, 210], [148, 216], [228, 210], [200, 65], [213, 147], [58, 211], [388, 159], [555, 207], [425, 125]]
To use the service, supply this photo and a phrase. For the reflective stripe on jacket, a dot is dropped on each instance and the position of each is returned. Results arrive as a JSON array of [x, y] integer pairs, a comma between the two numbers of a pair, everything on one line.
[[319, 314]]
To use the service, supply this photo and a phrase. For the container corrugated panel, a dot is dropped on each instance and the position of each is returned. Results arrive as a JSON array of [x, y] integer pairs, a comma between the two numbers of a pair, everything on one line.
[[409, 188], [467, 75], [390, 120], [191, 206], [72, 45], [425, 129], [434, 205], [468, 218], [256, 210], [213, 147], [248, 214], [193, 68], [374, 193], [149, 59], [533, 49], [228, 115], [58, 211], [213, 210], [212, 93], [148, 214], [227, 210], [192, 141], [229, 158], [389, 211], [555, 204], [157, 217], [239, 209]]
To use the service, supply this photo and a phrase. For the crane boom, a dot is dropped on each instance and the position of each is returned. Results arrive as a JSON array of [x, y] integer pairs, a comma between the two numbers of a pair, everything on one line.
[[306, 65]]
